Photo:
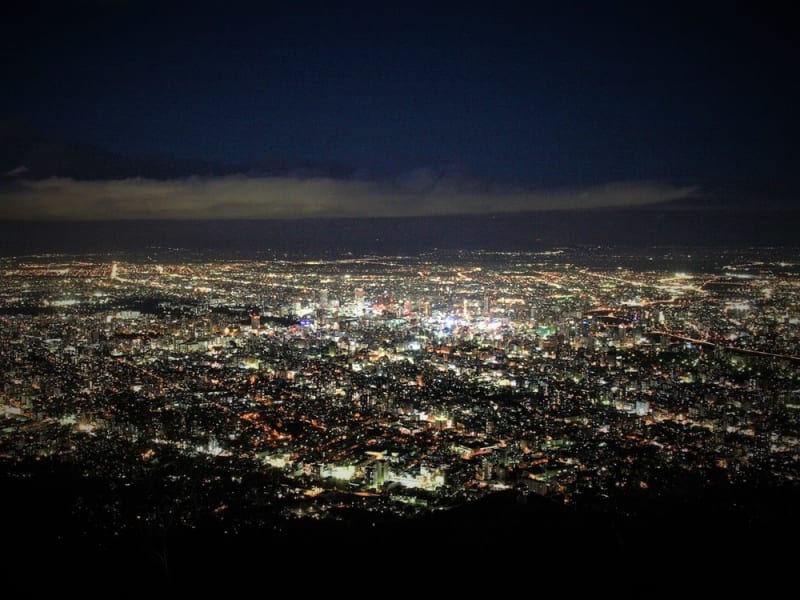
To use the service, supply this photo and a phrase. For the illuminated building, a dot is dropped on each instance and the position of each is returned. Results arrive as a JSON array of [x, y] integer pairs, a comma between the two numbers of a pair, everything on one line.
[[380, 472]]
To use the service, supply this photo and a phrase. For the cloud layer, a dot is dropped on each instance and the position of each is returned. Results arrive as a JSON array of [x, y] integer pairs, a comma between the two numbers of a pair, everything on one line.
[[241, 197]]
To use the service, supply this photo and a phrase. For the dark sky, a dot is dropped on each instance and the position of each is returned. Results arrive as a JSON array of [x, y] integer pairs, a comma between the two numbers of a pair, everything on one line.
[[245, 109]]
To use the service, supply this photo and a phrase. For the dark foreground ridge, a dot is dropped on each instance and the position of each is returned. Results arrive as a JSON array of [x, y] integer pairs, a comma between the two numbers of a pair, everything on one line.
[[46, 545]]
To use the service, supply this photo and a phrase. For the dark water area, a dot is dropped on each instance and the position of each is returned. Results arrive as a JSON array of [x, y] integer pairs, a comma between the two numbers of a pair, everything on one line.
[[517, 232]]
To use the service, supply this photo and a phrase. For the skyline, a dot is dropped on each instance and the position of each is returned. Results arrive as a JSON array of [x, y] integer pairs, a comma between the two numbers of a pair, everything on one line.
[[119, 111], [172, 418]]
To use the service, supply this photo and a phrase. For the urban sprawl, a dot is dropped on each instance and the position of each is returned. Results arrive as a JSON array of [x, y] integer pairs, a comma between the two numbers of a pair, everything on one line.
[[285, 387]]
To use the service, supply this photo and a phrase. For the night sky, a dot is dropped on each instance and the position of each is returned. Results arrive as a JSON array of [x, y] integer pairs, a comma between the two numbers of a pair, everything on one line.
[[114, 109]]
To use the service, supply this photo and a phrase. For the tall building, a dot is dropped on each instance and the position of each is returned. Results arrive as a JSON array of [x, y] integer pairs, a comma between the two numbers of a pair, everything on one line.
[[358, 296], [426, 308], [380, 472]]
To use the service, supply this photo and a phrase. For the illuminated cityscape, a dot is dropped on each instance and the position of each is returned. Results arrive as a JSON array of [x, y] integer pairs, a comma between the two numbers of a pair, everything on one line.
[[398, 385], [358, 300]]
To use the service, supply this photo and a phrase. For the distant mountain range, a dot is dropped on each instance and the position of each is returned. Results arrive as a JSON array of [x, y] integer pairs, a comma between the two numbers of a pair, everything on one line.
[[31, 154], [746, 213], [27, 153]]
